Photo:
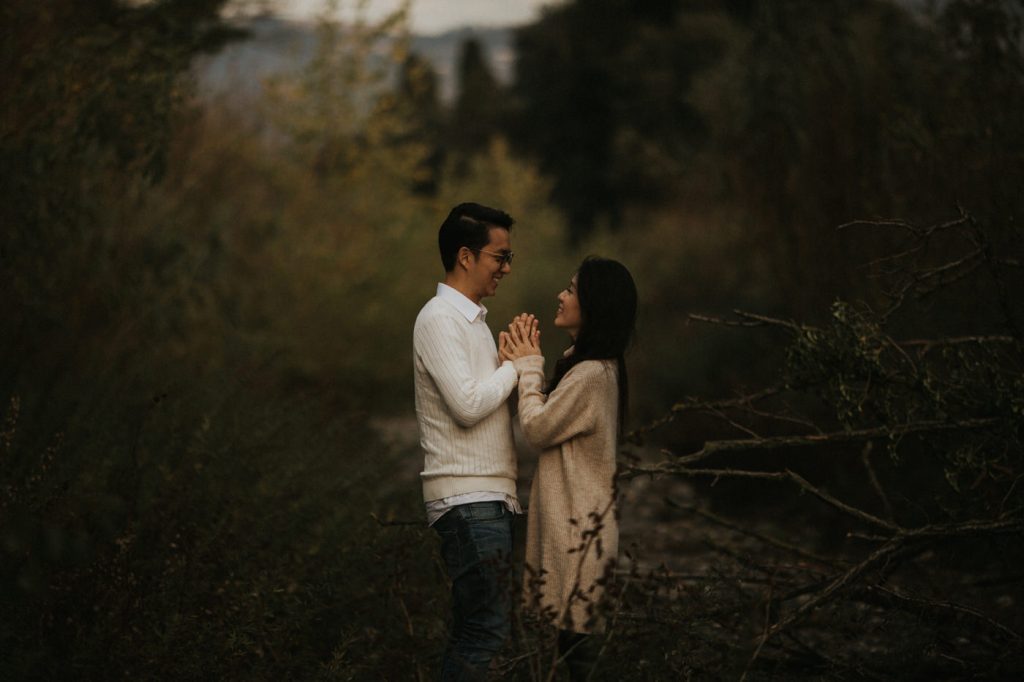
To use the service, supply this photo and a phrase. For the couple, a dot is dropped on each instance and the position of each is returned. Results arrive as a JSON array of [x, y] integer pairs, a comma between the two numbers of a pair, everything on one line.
[[463, 386]]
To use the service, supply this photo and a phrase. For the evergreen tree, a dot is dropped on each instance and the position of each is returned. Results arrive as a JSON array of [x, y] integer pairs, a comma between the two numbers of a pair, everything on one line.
[[477, 112], [601, 90], [417, 96]]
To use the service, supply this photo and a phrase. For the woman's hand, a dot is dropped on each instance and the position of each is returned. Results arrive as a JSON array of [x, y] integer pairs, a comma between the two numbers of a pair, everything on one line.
[[521, 339]]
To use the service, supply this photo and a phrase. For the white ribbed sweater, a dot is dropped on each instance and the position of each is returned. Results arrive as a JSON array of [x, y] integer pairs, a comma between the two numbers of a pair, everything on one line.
[[462, 400]]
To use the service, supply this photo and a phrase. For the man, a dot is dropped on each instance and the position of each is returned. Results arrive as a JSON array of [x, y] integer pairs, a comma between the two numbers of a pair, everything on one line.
[[469, 472]]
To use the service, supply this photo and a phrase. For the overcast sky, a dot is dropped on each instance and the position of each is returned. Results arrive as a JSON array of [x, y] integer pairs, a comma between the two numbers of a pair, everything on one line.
[[433, 16]]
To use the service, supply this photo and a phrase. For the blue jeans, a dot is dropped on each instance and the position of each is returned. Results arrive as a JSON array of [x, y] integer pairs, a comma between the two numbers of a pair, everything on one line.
[[476, 544]]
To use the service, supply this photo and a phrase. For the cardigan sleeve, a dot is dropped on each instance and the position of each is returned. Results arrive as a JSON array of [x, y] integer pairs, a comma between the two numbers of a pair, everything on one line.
[[442, 349], [568, 411]]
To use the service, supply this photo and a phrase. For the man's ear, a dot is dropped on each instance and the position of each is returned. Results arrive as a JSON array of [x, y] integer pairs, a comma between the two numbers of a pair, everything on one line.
[[463, 256]]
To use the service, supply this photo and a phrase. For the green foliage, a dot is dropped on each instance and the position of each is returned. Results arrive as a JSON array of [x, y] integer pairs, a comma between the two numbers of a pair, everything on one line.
[[479, 103], [206, 313], [202, 534], [868, 380], [843, 360], [172, 502], [800, 115], [601, 96]]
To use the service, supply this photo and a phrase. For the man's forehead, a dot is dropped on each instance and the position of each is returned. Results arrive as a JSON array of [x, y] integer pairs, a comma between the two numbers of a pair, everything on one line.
[[499, 236]]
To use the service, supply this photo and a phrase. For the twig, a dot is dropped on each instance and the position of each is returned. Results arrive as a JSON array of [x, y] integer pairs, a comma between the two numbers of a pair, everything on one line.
[[985, 247], [694, 577], [779, 544], [722, 321], [861, 673], [971, 527], [838, 583], [853, 511], [789, 419], [774, 442], [735, 424], [772, 321], [615, 617], [764, 633], [380, 522], [893, 222], [701, 405], [631, 471], [957, 340], [891, 547], [936, 605], [910, 227], [865, 456]]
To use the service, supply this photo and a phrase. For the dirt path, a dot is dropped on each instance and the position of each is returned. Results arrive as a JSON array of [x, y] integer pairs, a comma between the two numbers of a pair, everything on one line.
[[649, 528]]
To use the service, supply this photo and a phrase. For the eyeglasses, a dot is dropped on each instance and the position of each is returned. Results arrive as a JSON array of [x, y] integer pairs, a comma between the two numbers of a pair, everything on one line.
[[503, 258]]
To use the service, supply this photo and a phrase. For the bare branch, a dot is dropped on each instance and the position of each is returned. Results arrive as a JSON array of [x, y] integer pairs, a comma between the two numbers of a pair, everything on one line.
[[838, 583], [933, 605], [971, 527], [764, 633], [722, 321], [853, 436], [382, 523], [853, 511], [887, 551], [909, 227], [865, 457], [788, 418], [925, 346], [693, 405], [773, 542], [764, 319], [735, 424], [677, 470]]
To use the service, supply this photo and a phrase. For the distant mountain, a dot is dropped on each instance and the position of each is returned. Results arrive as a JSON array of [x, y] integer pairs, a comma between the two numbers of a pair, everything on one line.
[[276, 46]]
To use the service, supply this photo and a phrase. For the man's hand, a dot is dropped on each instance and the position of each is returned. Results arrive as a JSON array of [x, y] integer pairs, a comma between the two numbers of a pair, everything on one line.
[[521, 339]]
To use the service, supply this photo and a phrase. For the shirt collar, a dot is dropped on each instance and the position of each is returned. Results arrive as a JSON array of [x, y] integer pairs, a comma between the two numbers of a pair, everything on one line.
[[465, 306]]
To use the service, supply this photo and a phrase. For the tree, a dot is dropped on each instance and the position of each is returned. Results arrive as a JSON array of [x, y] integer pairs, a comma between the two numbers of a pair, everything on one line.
[[843, 109], [601, 101], [907, 454], [90, 92], [417, 98], [479, 104]]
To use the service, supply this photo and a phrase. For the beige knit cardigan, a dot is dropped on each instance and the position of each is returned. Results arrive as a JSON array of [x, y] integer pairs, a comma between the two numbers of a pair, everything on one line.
[[572, 532]]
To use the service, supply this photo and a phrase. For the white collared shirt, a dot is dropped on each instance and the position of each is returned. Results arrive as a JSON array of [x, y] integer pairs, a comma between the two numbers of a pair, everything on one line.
[[462, 393]]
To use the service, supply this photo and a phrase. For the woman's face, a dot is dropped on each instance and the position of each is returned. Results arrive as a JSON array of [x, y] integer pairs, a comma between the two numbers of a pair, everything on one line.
[[568, 316]]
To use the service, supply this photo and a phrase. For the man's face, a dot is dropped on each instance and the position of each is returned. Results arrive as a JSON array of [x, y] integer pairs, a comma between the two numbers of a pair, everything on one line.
[[486, 270]]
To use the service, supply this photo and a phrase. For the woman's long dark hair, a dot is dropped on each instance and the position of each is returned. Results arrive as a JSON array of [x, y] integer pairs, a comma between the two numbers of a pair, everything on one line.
[[607, 298]]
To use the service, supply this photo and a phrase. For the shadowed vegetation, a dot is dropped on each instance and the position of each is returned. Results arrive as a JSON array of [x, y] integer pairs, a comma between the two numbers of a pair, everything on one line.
[[208, 464]]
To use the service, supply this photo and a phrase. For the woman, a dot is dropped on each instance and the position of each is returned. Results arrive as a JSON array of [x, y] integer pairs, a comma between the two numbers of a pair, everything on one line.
[[572, 529]]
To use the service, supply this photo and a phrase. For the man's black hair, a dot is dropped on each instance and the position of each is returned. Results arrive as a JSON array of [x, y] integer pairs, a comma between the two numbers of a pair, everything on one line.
[[468, 225]]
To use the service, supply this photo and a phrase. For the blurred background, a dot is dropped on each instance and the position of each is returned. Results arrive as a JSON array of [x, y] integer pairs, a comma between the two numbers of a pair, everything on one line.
[[219, 221]]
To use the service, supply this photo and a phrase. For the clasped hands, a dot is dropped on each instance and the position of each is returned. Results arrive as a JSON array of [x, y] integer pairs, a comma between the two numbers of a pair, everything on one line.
[[521, 340]]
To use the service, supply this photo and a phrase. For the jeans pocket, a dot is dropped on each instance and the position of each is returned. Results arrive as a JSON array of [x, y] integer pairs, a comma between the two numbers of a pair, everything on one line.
[[447, 528], [483, 511]]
